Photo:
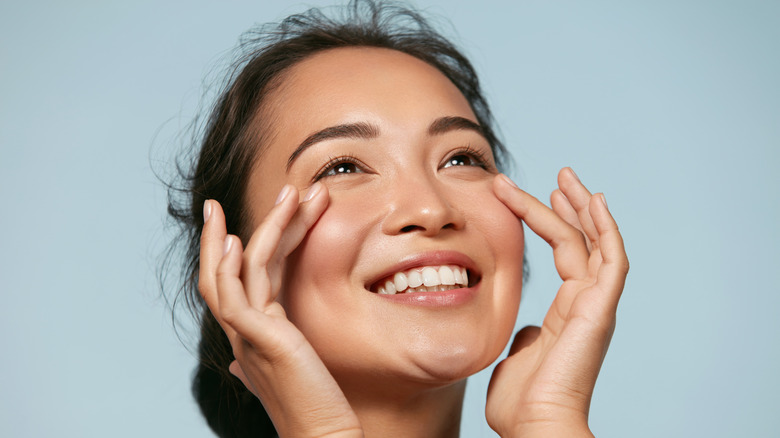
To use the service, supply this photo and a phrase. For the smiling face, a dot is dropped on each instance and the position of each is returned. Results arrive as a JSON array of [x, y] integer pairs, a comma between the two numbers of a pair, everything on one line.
[[411, 206]]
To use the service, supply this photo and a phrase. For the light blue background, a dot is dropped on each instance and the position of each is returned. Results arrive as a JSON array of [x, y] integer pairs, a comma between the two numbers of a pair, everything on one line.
[[670, 107]]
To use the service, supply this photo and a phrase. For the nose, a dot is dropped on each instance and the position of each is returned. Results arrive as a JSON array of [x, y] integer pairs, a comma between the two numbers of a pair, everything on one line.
[[422, 205]]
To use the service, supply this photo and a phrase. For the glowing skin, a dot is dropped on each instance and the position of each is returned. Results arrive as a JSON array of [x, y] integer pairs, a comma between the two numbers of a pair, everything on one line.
[[404, 206], [405, 192]]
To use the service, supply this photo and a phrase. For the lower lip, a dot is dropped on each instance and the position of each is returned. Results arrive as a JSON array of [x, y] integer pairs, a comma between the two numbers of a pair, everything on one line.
[[450, 298]]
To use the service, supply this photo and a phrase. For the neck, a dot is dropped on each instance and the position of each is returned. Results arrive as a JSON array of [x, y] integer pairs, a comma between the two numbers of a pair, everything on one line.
[[414, 413]]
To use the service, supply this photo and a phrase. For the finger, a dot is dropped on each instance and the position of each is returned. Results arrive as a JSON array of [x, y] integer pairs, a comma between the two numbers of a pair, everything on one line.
[[233, 303], [263, 243], [612, 273], [567, 242], [563, 208], [241, 321], [524, 338], [579, 198], [212, 241], [309, 211], [280, 233]]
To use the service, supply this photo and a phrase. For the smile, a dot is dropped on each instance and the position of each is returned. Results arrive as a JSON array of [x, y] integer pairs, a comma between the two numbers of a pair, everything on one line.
[[423, 279]]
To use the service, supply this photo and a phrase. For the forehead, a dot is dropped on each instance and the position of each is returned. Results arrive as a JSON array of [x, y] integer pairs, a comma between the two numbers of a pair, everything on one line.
[[353, 82]]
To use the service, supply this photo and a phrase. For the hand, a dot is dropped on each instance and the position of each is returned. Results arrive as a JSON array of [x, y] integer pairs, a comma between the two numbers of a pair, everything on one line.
[[544, 386], [274, 359]]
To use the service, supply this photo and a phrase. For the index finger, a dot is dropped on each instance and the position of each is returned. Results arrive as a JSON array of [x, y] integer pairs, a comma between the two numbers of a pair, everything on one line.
[[568, 244], [212, 240]]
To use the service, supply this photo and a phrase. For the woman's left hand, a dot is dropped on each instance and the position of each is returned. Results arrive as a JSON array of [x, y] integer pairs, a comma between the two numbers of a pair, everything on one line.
[[544, 386]]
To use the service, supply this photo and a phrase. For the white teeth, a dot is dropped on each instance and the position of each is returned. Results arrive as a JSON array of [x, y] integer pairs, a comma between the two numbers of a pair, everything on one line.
[[400, 282], [427, 279], [458, 276], [430, 277], [446, 275], [414, 279]]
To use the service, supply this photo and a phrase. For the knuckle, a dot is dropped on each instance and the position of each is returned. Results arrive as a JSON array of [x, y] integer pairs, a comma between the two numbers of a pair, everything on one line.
[[202, 289], [221, 275], [230, 316], [251, 259], [223, 278], [623, 264]]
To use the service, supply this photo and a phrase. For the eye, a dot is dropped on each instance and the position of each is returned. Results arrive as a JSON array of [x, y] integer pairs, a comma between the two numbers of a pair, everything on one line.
[[467, 157], [461, 160], [339, 166]]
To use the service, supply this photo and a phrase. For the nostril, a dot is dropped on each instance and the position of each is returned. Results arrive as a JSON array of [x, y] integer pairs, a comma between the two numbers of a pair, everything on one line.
[[410, 228]]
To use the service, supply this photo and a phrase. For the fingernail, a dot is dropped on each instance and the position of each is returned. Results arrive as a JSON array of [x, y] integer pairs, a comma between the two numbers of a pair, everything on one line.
[[509, 181], [283, 194], [604, 200], [228, 244], [574, 174], [312, 192], [206, 211]]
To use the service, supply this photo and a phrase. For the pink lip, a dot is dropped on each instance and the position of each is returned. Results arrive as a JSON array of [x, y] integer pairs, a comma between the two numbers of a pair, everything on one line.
[[448, 298], [432, 258]]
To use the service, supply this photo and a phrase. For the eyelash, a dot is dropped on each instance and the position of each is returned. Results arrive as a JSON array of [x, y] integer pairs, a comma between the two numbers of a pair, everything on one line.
[[478, 157], [335, 162]]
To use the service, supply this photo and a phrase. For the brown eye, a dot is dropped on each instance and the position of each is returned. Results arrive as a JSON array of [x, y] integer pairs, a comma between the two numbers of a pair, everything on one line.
[[460, 160], [467, 158], [342, 168], [339, 166]]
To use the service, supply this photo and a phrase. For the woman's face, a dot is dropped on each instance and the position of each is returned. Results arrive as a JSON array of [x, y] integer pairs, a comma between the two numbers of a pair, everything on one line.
[[410, 182]]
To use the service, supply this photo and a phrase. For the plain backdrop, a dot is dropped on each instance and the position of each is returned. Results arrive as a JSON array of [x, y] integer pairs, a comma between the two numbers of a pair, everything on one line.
[[672, 108]]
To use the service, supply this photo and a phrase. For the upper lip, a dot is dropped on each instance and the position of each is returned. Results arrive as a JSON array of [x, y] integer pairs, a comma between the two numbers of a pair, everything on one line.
[[431, 258]]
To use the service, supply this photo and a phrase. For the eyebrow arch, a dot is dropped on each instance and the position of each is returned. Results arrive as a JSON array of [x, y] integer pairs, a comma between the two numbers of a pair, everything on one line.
[[349, 130], [442, 125]]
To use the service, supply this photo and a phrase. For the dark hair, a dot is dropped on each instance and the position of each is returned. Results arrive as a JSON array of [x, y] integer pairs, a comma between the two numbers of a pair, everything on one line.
[[233, 137]]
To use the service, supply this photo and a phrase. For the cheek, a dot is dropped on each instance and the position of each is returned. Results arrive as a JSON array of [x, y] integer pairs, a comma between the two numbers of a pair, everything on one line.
[[503, 235], [320, 293], [501, 229], [320, 267]]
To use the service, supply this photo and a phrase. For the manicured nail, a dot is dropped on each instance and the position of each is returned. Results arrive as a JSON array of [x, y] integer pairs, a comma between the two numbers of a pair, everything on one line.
[[509, 181], [604, 200], [312, 192], [228, 244], [574, 174], [283, 194], [206, 211]]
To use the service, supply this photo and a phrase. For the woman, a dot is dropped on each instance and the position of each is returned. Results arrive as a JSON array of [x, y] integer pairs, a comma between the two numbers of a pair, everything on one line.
[[360, 255]]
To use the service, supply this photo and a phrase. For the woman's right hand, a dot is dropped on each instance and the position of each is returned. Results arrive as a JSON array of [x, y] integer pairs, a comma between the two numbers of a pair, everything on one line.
[[273, 358]]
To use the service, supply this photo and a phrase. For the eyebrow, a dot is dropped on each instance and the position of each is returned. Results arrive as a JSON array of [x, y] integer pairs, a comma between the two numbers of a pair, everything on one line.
[[363, 130], [350, 130], [443, 125]]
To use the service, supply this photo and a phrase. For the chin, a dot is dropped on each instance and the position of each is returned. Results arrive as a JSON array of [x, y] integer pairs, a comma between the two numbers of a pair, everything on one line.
[[444, 371], [449, 362]]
